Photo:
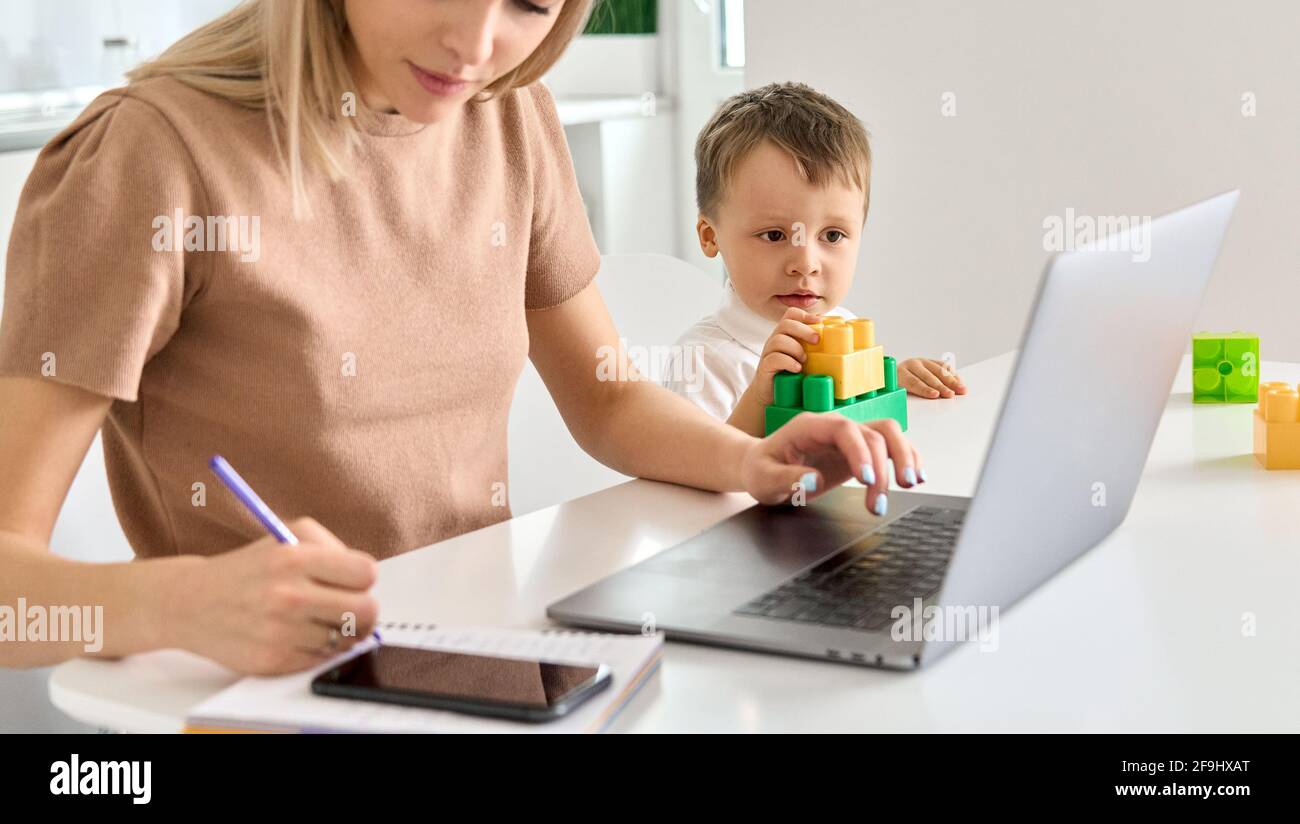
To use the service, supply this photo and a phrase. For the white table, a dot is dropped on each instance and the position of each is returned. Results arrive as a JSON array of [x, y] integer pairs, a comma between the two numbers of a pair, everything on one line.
[[1144, 632]]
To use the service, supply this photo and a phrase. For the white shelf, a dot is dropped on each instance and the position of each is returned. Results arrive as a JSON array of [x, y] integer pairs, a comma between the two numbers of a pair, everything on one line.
[[29, 119], [578, 109]]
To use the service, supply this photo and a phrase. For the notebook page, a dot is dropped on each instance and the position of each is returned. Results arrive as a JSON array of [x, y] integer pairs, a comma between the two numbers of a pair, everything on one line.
[[286, 702]]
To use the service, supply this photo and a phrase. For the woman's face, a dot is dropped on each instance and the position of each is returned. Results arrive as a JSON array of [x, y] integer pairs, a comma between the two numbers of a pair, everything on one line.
[[426, 58]]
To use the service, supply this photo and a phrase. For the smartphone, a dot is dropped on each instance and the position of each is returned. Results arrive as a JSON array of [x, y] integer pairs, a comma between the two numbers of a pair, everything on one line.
[[514, 688]]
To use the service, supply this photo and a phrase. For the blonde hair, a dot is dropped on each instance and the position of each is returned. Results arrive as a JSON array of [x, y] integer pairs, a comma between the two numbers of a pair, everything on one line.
[[824, 138], [288, 57]]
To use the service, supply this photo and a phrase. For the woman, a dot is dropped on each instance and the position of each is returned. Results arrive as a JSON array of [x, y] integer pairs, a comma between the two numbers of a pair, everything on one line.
[[320, 238]]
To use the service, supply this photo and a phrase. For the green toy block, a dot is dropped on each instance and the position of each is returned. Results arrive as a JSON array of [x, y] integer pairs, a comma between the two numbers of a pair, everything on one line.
[[1225, 367], [795, 393]]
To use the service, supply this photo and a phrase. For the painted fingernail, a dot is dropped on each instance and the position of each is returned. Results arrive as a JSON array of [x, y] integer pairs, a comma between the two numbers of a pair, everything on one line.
[[809, 482], [922, 476], [868, 474], [909, 475], [882, 505]]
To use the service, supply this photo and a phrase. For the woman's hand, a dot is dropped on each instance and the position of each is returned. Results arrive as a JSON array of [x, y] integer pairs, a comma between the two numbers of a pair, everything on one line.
[[270, 608], [818, 452], [645, 430], [929, 378]]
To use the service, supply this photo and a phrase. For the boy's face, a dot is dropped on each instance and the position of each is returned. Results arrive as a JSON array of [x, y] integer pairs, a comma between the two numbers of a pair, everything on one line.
[[772, 262]]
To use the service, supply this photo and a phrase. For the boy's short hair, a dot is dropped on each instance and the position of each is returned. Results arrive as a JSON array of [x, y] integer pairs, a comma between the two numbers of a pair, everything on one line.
[[823, 137]]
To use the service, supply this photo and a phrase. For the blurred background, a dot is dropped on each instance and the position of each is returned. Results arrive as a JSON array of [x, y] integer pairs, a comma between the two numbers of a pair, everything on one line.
[[986, 119]]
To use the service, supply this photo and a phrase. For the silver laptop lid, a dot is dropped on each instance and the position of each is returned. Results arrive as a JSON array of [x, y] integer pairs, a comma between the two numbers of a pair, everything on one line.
[[1108, 330]]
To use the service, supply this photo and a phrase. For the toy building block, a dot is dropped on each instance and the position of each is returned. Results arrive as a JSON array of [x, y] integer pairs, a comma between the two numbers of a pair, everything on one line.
[[1277, 426], [847, 351], [796, 392], [1225, 367]]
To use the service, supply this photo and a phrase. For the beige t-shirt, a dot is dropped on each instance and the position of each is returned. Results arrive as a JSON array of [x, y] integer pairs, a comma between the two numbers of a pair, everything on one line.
[[356, 366]]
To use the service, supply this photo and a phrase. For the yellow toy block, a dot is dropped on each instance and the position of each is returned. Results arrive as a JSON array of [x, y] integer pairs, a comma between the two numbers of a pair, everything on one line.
[[848, 353], [1277, 426]]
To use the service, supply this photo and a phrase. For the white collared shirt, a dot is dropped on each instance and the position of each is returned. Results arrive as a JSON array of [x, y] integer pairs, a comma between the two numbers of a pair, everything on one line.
[[724, 350]]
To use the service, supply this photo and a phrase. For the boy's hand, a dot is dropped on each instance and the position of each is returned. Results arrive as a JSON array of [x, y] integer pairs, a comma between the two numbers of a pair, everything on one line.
[[783, 351], [929, 378]]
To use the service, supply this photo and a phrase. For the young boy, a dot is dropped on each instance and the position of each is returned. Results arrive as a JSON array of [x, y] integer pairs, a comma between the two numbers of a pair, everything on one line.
[[783, 183]]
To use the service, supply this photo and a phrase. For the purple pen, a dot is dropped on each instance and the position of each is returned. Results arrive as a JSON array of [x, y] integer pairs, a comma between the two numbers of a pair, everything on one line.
[[256, 505], [251, 499]]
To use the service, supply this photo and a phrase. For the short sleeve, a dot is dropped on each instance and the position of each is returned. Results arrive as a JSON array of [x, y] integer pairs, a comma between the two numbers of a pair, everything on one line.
[[95, 276], [562, 253], [707, 375]]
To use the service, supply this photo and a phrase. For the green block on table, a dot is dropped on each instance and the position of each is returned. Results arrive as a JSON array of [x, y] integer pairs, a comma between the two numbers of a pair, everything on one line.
[[795, 393], [1225, 367], [869, 407]]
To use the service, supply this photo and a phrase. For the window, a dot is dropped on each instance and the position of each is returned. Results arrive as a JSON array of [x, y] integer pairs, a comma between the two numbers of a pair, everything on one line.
[[732, 30]]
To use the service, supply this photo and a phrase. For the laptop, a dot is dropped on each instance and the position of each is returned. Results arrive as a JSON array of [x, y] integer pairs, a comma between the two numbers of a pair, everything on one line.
[[829, 580]]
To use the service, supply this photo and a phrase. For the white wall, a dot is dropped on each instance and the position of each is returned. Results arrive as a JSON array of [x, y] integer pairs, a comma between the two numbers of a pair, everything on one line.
[[1111, 107], [55, 43], [14, 169], [694, 76], [619, 123], [638, 174]]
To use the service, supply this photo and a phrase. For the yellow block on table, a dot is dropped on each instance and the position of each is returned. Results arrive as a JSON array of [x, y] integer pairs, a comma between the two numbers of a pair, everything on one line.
[[1277, 426]]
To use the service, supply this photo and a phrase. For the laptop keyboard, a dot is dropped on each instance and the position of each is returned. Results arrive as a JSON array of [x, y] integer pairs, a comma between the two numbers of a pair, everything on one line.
[[858, 586]]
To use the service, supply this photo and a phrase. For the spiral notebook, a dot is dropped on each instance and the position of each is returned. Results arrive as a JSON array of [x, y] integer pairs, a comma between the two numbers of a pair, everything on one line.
[[287, 704]]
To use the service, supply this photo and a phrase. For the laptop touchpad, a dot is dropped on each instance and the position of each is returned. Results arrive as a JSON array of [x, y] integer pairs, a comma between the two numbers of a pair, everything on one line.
[[763, 543]]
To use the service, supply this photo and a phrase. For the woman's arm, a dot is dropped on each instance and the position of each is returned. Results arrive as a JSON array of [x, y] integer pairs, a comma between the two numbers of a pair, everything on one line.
[[263, 608], [639, 428], [45, 430]]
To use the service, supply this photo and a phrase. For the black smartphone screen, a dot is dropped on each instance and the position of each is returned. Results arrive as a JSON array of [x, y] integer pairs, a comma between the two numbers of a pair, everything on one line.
[[461, 677]]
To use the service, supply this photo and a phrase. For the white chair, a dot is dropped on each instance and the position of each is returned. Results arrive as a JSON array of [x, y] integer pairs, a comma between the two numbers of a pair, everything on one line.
[[653, 299]]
